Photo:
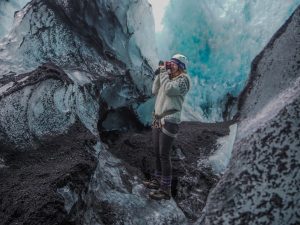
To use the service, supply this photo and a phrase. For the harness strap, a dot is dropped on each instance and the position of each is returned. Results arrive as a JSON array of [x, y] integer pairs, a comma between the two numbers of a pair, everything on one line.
[[158, 121], [166, 113], [166, 132], [156, 124]]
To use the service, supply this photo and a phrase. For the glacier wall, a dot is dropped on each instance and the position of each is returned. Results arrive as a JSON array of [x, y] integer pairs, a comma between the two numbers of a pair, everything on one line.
[[220, 38], [43, 103], [85, 62], [95, 50], [78, 32], [7, 12], [261, 184]]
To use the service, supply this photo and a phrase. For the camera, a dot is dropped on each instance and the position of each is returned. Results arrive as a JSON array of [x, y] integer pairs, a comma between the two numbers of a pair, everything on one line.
[[168, 65]]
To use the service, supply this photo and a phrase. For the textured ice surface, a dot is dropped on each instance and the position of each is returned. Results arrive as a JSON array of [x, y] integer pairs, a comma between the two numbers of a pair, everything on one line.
[[6, 86], [220, 159], [102, 55], [144, 111], [101, 46], [220, 38], [117, 197], [87, 109], [255, 121], [40, 105], [261, 184], [7, 11], [70, 197], [95, 43]]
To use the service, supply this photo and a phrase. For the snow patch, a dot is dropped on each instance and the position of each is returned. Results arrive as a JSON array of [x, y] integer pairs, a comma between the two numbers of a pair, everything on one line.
[[5, 87], [249, 125], [220, 159], [79, 77], [69, 196]]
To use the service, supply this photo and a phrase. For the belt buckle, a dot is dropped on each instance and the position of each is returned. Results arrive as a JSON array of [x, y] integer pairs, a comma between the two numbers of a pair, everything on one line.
[[156, 123]]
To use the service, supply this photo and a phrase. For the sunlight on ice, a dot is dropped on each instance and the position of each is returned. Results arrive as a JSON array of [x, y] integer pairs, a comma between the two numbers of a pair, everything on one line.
[[220, 159]]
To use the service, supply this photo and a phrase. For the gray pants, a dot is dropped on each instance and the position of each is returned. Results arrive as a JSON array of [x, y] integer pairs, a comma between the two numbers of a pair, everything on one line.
[[162, 142]]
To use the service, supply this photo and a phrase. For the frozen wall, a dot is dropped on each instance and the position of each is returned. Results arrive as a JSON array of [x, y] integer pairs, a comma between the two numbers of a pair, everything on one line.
[[105, 48], [261, 183], [7, 12], [220, 38]]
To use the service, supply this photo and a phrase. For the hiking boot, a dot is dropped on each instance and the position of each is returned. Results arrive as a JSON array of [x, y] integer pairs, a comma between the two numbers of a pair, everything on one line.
[[152, 184], [160, 194]]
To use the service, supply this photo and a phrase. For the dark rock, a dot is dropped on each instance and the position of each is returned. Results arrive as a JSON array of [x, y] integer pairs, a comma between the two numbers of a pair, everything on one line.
[[30, 180]]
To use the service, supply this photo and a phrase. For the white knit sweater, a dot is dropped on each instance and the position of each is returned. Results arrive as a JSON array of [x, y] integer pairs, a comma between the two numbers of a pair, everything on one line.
[[170, 95]]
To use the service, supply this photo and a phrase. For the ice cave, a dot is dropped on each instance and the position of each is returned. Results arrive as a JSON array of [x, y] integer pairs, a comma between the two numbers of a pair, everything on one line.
[[76, 107]]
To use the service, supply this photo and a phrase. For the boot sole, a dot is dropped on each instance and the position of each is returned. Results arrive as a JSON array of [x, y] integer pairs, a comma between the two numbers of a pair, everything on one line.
[[151, 187], [159, 198]]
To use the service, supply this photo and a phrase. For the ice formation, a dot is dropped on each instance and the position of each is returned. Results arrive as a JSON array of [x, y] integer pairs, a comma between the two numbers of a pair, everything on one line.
[[116, 196], [220, 38], [220, 159], [107, 53], [7, 12], [86, 62], [90, 62], [261, 185]]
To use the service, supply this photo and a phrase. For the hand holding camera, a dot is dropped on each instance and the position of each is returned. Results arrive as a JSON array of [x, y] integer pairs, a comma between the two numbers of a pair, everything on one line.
[[166, 67]]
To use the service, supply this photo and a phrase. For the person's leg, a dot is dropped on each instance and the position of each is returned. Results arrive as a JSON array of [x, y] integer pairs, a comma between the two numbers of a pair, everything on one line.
[[154, 182], [166, 138], [166, 164], [155, 139]]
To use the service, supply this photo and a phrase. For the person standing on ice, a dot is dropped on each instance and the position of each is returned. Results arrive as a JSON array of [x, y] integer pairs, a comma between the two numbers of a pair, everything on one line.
[[170, 87]]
